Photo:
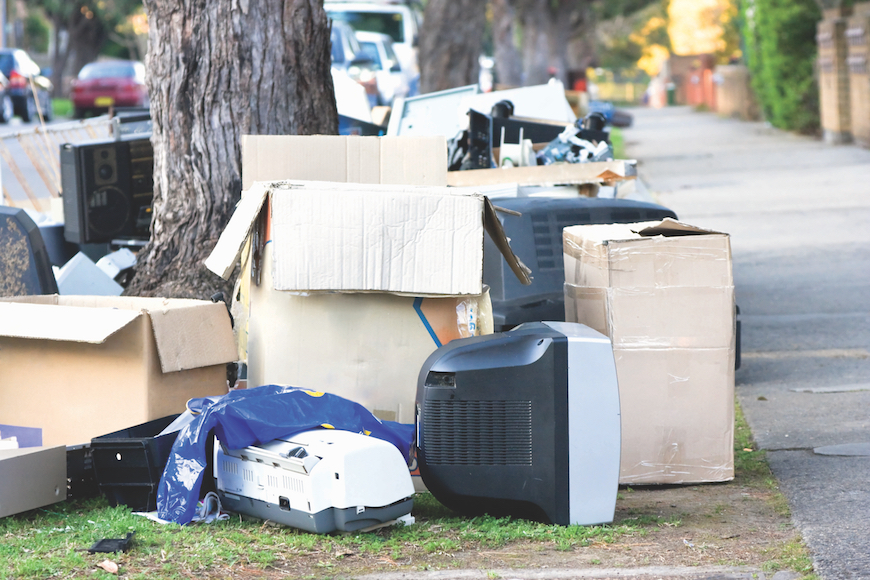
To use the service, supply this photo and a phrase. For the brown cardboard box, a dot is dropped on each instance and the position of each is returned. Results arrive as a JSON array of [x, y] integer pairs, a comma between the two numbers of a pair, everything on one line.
[[82, 366], [366, 347], [31, 478], [663, 292], [348, 288]]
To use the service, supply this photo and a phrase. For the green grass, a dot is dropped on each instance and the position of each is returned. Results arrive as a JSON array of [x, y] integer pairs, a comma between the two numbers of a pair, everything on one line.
[[62, 107], [53, 542], [618, 143]]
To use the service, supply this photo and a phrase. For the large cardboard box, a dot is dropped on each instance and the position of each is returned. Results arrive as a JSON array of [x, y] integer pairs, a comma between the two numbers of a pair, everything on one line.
[[348, 288], [664, 294], [82, 366], [31, 478]]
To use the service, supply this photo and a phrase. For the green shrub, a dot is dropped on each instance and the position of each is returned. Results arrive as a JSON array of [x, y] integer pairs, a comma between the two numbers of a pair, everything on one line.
[[780, 52]]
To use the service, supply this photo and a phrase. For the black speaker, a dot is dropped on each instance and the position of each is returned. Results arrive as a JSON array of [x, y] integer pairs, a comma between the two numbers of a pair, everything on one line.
[[107, 189], [25, 268]]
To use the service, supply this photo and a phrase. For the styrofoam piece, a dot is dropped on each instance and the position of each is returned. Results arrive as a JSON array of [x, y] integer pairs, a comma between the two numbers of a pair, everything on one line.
[[81, 277], [116, 262]]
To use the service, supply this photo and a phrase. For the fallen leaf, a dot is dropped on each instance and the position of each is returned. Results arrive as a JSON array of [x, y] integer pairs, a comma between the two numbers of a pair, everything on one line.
[[109, 566]]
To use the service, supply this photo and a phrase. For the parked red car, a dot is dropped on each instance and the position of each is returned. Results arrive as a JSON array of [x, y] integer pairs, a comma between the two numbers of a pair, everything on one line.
[[116, 83]]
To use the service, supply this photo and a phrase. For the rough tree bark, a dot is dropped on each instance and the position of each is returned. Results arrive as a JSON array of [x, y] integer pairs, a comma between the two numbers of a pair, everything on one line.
[[548, 26], [450, 44], [219, 69], [508, 64]]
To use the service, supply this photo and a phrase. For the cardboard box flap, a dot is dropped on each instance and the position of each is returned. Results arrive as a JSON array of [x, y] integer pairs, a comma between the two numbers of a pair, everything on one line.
[[47, 321], [496, 233], [671, 227], [226, 252], [193, 336], [361, 238]]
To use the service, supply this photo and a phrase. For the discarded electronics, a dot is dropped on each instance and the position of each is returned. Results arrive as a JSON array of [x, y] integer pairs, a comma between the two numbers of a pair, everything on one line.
[[25, 267], [107, 189], [523, 423], [31, 477], [319, 481]]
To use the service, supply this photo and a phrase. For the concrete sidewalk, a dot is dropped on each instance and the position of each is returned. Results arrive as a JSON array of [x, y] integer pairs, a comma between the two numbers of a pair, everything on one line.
[[799, 215]]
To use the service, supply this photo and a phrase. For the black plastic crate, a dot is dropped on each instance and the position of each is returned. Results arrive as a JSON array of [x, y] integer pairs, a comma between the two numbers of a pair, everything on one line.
[[128, 463]]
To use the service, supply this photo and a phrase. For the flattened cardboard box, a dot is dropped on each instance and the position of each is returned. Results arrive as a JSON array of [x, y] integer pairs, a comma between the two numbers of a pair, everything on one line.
[[547, 175], [31, 478], [82, 366], [336, 237], [663, 292]]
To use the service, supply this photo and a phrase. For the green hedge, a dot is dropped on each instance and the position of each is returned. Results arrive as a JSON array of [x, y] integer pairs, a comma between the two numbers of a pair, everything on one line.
[[780, 37]]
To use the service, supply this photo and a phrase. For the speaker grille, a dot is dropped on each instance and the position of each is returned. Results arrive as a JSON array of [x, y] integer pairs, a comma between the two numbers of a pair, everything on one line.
[[477, 432]]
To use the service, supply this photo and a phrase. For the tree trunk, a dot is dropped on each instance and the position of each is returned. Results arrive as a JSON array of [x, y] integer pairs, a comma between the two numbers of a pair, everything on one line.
[[548, 26], [219, 69], [508, 64], [450, 44]]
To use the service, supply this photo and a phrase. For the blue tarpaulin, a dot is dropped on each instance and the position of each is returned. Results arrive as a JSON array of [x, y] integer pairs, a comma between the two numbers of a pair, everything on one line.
[[251, 417]]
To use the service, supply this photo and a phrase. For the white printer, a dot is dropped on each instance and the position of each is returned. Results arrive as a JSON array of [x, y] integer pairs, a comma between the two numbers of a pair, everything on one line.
[[319, 481]]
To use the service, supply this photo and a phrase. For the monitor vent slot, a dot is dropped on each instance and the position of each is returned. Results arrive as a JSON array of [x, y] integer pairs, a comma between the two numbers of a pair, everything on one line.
[[477, 432]]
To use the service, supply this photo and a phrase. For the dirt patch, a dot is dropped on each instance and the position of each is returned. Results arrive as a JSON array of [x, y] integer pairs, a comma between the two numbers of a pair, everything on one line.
[[729, 524]]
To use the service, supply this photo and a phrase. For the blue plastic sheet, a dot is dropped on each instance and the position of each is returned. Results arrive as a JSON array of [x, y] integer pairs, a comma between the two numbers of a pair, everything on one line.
[[254, 416]]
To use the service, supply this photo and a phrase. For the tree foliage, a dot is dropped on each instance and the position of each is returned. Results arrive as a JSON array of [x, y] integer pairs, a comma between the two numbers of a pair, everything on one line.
[[87, 25], [781, 51]]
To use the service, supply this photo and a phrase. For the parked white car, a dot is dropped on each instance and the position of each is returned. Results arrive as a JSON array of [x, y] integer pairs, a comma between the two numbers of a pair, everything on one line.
[[392, 81], [398, 20]]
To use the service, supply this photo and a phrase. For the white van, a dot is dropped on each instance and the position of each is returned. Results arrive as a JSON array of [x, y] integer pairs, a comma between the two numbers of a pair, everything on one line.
[[398, 20]]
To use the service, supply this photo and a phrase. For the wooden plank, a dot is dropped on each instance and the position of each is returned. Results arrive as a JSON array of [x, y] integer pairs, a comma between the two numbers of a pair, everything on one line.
[[547, 175]]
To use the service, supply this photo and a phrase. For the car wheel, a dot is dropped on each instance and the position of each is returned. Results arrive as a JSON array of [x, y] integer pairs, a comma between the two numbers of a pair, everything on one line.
[[7, 109], [29, 113], [79, 113]]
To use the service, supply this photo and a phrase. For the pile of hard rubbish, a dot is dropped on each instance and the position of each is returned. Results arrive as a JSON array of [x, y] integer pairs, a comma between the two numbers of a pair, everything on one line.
[[518, 335]]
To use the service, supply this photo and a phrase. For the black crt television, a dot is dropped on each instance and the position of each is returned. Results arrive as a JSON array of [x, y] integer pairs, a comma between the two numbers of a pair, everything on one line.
[[523, 423]]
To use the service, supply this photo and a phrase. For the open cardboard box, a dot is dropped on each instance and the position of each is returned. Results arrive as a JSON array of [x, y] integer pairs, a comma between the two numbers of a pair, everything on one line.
[[348, 288], [664, 294], [82, 366]]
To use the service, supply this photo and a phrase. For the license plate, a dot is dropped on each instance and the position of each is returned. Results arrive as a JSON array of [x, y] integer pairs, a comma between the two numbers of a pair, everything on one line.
[[104, 101]]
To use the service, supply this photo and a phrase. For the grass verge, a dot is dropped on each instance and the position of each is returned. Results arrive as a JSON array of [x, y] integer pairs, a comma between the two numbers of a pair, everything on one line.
[[53, 542], [62, 107], [617, 142]]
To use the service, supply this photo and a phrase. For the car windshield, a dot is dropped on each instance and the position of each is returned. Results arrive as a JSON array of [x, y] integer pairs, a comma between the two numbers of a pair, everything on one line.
[[6, 62], [370, 50], [383, 22], [104, 71]]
